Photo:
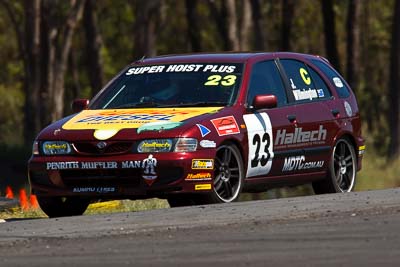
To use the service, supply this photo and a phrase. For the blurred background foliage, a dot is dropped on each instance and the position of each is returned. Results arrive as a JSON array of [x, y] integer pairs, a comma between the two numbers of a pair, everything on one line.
[[106, 35]]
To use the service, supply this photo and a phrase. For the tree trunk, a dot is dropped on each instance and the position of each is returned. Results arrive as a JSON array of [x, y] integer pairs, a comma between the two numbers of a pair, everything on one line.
[[330, 33], [245, 28], [193, 29], [231, 23], [219, 15], [226, 20], [353, 43], [147, 20], [94, 44], [32, 80], [258, 42], [287, 18], [394, 86], [73, 67], [59, 41]]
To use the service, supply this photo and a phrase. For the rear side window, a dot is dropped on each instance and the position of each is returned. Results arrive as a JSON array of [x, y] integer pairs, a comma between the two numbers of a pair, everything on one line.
[[266, 80], [305, 83], [335, 79], [322, 88]]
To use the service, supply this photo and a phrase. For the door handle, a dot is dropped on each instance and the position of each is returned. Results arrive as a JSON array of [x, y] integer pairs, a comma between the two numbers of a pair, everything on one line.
[[335, 112], [291, 118]]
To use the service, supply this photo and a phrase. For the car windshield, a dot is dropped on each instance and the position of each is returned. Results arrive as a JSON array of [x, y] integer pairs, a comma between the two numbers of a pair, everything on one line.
[[172, 85]]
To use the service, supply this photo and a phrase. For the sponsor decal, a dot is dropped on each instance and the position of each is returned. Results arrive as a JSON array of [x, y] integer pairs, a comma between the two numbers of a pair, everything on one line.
[[300, 137], [348, 109], [320, 93], [208, 144], [202, 164], [361, 150], [149, 173], [202, 176], [158, 126], [52, 145], [203, 130], [305, 94], [202, 187], [148, 166], [260, 142], [155, 144], [131, 164], [226, 125], [114, 120], [94, 190], [298, 163], [81, 165], [305, 76], [181, 68], [338, 82], [292, 84]]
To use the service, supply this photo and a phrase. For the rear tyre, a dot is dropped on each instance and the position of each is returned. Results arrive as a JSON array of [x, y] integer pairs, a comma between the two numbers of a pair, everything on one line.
[[63, 206], [342, 170], [228, 176]]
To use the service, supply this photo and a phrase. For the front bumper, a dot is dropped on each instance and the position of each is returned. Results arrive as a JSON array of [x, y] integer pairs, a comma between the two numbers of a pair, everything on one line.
[[122, 176]]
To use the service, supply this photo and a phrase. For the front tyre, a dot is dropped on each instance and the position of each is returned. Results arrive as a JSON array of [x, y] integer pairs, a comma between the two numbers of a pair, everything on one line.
[[228, 175], [63, 206], [342, 170]]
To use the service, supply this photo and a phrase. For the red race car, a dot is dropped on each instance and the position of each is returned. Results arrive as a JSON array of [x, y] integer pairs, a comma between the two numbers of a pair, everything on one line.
[[202, 128]]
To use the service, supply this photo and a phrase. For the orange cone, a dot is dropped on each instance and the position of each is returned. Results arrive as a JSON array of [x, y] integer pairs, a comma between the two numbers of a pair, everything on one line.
[[23, 199], [9, 192], [33, 201]]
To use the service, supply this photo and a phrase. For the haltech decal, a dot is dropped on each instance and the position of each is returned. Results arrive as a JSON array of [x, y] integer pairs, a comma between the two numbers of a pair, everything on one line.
[[131, 118], [299, 136], [203, 176]]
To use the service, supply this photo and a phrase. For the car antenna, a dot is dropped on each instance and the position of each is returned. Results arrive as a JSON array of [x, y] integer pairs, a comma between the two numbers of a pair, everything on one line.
[[141, 60]]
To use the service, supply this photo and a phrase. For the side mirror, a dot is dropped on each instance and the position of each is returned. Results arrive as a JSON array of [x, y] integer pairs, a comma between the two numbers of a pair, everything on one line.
[[79, 104], [264, 101]]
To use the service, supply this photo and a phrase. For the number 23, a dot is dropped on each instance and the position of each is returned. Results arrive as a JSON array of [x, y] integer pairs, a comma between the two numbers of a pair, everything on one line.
[[215, 80], [266, 139]]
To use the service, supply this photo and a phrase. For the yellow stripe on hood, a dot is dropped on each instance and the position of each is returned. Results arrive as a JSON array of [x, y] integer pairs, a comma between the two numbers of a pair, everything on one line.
[[131, 118]]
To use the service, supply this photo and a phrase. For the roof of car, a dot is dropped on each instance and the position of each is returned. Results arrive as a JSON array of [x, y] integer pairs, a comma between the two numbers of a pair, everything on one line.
[[215, 57]]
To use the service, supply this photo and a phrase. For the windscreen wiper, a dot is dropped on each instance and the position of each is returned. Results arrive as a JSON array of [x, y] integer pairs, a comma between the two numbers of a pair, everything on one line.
[[201, 104], [149, 104]]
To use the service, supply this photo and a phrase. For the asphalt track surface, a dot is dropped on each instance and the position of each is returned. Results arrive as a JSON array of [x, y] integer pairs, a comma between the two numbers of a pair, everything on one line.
[[355, 229]]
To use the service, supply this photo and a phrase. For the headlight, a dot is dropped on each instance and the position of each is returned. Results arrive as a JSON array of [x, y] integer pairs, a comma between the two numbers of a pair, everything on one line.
[[155, 145], [35, 148], [56, 148], [186, 145]]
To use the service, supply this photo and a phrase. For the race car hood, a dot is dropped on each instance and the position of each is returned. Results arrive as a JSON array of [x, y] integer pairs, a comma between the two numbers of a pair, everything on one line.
[[126, 123]]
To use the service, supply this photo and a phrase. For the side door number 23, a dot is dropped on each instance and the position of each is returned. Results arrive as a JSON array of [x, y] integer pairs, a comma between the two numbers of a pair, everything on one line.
[[259, 130]]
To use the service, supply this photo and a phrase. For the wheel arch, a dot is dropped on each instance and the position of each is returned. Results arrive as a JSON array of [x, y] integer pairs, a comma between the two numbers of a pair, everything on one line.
[[349, 137], [238, 145]]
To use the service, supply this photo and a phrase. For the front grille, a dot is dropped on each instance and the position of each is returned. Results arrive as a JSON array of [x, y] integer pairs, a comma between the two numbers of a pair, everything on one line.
[[111, 148]]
